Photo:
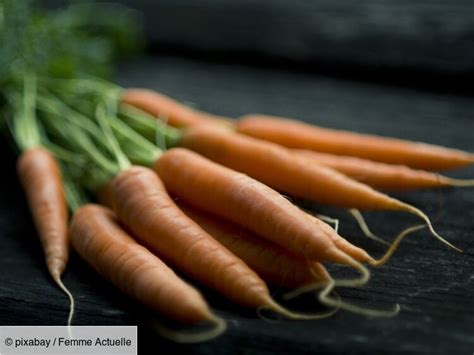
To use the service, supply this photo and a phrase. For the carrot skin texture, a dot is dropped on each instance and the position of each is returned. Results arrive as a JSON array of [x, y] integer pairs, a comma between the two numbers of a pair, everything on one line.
[[176, 114], [143, 205], [284, 170], [376, 174], [296, 134], [98, 238], [41, 179], [247, 202], [268, 260]]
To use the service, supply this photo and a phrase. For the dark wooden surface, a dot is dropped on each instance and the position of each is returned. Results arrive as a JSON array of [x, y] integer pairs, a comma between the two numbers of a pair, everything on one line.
[[433, 285]]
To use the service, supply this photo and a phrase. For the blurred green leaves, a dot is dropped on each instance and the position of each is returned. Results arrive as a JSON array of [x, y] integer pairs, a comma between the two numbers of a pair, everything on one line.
[[82, 38]]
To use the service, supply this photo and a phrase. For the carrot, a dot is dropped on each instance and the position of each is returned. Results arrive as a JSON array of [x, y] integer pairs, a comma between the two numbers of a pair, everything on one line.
[[268, 260], [164, 107], [106, 194], [98, 238], [40, 176], [144, 206], [249, 203], [41, 179], [277, 265], [295, 134], [382, 175], [283, 170]]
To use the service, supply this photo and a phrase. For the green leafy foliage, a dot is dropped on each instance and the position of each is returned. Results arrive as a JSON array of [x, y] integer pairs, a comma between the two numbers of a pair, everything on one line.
[[53, 88], [83, 38]]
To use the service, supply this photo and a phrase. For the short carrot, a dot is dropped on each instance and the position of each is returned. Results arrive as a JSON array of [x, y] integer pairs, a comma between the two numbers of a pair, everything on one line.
[[98, 238], [144, 206], [164, 107], [295, 134], [269, 261], [285, 171], [382, 175]]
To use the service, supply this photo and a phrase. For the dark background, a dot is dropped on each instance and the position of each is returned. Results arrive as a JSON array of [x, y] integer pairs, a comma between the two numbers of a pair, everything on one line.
[[391, 68]]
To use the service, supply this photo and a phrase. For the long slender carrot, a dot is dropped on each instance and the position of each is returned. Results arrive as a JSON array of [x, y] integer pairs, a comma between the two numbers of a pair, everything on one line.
[[285, 171], [41, 179], [164, 107], [143, 205], [296, 134], [40, 175], [98, 238], [249, 203], [107, 196], [383, 175], [269, 261]]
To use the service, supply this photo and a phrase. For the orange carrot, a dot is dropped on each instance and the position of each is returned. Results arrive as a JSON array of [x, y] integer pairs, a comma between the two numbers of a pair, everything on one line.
[[249, 203], [224, 231], [98, 238], [164, 107], [269, 261], [296, 134], [41, 178], [382, 175], [285, 171], [143, 205]]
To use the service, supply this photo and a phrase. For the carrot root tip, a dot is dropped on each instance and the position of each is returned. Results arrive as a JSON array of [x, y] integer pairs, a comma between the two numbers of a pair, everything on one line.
[[331, 302], [272, 305], [364, 227], [359, 281], [427, 220], [304, 289], [63, 288], [219, 327], [458, 182], [394, 246]]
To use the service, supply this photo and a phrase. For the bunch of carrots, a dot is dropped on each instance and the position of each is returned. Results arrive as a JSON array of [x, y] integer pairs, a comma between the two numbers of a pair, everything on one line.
[[155, 186]]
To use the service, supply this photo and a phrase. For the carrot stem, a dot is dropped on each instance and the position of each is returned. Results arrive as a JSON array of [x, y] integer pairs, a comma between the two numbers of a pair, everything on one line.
[[152, 129], [137, 148], [51, 104], [101, 115], [25, 128]]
